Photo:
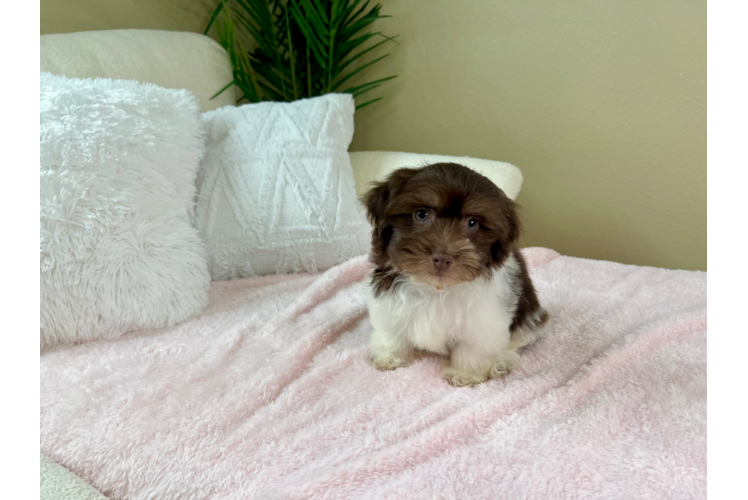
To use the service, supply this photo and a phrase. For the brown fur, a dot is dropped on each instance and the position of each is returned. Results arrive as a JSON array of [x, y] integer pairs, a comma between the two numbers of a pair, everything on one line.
[[452, 194], [527, 303]]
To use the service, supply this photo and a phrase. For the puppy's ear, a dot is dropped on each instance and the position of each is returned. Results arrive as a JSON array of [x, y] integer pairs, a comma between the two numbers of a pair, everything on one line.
[[379, 196], [510, 229], [375, 200]]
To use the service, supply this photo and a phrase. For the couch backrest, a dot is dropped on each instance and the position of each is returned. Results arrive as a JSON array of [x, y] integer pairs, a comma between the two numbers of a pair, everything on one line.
[[170, 59], [181, 60]]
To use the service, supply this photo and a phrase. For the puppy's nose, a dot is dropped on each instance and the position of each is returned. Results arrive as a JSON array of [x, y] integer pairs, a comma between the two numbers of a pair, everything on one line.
[[442, 261]]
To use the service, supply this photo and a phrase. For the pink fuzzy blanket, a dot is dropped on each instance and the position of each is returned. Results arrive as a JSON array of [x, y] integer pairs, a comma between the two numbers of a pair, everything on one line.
[[270, 394]]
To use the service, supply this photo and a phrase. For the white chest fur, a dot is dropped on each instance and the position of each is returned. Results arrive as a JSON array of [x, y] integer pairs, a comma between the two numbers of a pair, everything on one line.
[[476, 313]]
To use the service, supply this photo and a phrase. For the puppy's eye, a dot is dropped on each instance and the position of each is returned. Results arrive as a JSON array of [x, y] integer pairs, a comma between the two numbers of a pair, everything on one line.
[[421, 215], [472, 224]]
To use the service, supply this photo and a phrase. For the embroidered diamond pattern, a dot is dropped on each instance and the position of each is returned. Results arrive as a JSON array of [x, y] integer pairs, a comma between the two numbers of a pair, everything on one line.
[[278, 194]]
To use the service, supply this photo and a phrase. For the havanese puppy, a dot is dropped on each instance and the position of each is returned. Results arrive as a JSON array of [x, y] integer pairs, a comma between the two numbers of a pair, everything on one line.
[[448, 275]]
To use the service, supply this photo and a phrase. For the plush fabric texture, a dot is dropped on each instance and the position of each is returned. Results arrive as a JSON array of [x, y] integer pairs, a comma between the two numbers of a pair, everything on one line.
[[58, 483], [371, 166], [270, 394], [276, 191], [117, 250]]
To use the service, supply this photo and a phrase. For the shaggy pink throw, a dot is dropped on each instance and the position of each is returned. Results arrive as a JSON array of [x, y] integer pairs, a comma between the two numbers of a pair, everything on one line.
[[270, 394]]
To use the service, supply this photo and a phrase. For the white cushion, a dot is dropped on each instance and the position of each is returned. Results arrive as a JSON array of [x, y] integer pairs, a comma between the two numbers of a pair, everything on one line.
[[118, 167], [170, 59], [276, 191], [371, 166]]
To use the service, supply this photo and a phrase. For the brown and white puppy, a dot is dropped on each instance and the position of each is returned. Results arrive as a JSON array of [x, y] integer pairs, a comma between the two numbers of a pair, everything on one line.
[[448, 275]]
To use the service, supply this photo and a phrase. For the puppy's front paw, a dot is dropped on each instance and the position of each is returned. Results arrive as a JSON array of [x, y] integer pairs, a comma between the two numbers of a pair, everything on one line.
[[457, 378], [507, 362], [385, 363]]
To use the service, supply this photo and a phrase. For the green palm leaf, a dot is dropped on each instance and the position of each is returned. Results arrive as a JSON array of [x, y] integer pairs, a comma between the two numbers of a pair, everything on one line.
[[304, 48]]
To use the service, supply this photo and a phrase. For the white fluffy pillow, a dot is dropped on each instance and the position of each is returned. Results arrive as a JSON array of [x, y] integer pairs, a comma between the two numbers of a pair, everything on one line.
[[276, 192], [118, 165]]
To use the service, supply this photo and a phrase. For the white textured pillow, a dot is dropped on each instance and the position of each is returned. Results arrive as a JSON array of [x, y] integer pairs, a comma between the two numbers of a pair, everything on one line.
[[276, 191], [118, 165]]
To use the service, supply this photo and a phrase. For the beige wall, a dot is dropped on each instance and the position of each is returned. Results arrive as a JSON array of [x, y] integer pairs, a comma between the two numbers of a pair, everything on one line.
[[602, 104]]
